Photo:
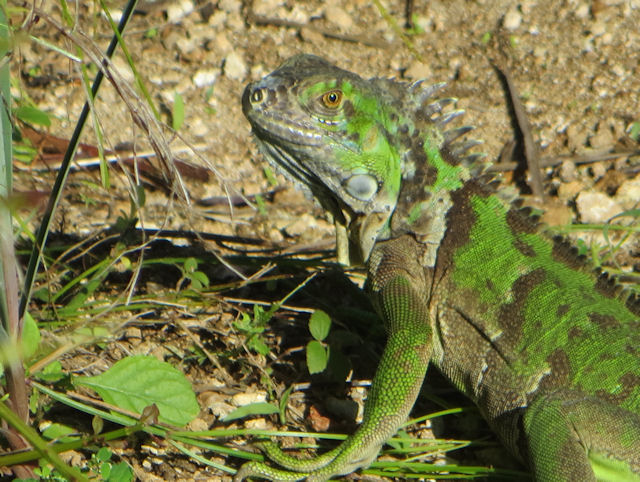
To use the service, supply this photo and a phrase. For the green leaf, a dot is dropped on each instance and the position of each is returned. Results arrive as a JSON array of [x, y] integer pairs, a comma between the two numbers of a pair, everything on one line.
[[190, 265], [30, 336], [52, 372], [317, 357], [319, 325], [634, 131], [258, 408], [136, 382], [258, 345], [178, 112], [33, 115], [120, 473], [198, 277], [59, 432]]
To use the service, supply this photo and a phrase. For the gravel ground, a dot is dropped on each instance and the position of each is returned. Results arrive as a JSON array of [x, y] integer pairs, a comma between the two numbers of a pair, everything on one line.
[[575, 64]]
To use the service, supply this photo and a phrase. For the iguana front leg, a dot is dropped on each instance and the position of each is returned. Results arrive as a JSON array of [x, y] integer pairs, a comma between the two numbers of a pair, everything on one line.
[[398, 289]]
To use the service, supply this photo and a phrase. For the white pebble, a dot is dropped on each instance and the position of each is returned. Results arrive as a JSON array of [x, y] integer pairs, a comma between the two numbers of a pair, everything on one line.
[[512, 20], [235, 67], [203, 78], [596, 207]]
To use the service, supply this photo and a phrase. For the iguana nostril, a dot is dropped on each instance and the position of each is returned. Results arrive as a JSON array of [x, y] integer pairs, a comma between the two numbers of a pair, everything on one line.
[[257, 96]]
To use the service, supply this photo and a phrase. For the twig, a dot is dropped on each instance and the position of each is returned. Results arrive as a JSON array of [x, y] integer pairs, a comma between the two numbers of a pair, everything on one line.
[[531, 151], [550, 161], [278, 22]]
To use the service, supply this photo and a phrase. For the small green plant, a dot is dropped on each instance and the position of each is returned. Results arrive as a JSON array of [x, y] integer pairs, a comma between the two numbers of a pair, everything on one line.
[[197, 279], [254, 327], [317, 351]]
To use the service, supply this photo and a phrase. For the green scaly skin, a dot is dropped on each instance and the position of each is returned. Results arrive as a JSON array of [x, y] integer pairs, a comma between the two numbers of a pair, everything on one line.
[[463, 279]]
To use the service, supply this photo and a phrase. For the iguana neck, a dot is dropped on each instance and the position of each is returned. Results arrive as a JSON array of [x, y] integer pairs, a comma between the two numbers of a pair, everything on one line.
[[431, 172]]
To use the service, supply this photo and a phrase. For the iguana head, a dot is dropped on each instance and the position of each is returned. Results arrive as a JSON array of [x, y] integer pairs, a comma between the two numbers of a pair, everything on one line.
[[334, 133]]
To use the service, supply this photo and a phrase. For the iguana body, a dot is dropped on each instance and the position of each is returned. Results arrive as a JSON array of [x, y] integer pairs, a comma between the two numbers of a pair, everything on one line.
[[462, 278]]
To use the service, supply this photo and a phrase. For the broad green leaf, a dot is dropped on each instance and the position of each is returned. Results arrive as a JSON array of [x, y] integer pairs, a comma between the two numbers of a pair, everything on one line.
[[317, 357], [33, 115], [138, 381], [258, 408], [120, 473], [319, 325]]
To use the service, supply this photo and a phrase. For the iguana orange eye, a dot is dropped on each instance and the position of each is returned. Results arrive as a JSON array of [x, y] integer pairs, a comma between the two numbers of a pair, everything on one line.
[[332, 99]]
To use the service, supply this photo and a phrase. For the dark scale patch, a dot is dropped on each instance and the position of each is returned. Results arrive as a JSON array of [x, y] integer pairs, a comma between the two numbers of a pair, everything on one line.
[[448, 156], [633, 350], [605, 322], [460, 220], [575, 332], [511, 316], [565, 253], [490, 285], [348, 109], [559, 367], [607, 286], [628, 381], [633, 304], [520, 222], [562, 310], [524, 248]]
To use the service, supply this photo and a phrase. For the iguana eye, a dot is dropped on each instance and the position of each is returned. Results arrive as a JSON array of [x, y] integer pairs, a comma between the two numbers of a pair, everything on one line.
[[332, 99]]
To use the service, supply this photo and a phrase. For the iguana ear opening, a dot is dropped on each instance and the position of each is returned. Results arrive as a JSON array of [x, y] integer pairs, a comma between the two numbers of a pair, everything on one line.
[[363, 187]]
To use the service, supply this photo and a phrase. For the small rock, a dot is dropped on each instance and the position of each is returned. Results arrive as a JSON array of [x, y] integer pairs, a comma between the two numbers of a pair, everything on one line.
[[235, 67], [418, 70], [257, 423], [245, 398], [598, 28], [576, 137], [186, 45], [198, 424], [199, 128], [596, 207], [512, 19], [203, 78], [568, 171], [603, 138], [301, 225], [123, 68], [178, 10], [582, 11], [133, 335], [598, 170], [556, 214], [339, 17], [569, 190], [628, 194], [230, 6]]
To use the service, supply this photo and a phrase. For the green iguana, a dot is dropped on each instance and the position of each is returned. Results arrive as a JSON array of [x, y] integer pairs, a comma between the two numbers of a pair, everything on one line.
[[462, 277]]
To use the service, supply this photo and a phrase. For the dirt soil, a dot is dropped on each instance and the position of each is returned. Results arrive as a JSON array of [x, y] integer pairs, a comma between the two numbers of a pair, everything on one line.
[[575, 64]]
